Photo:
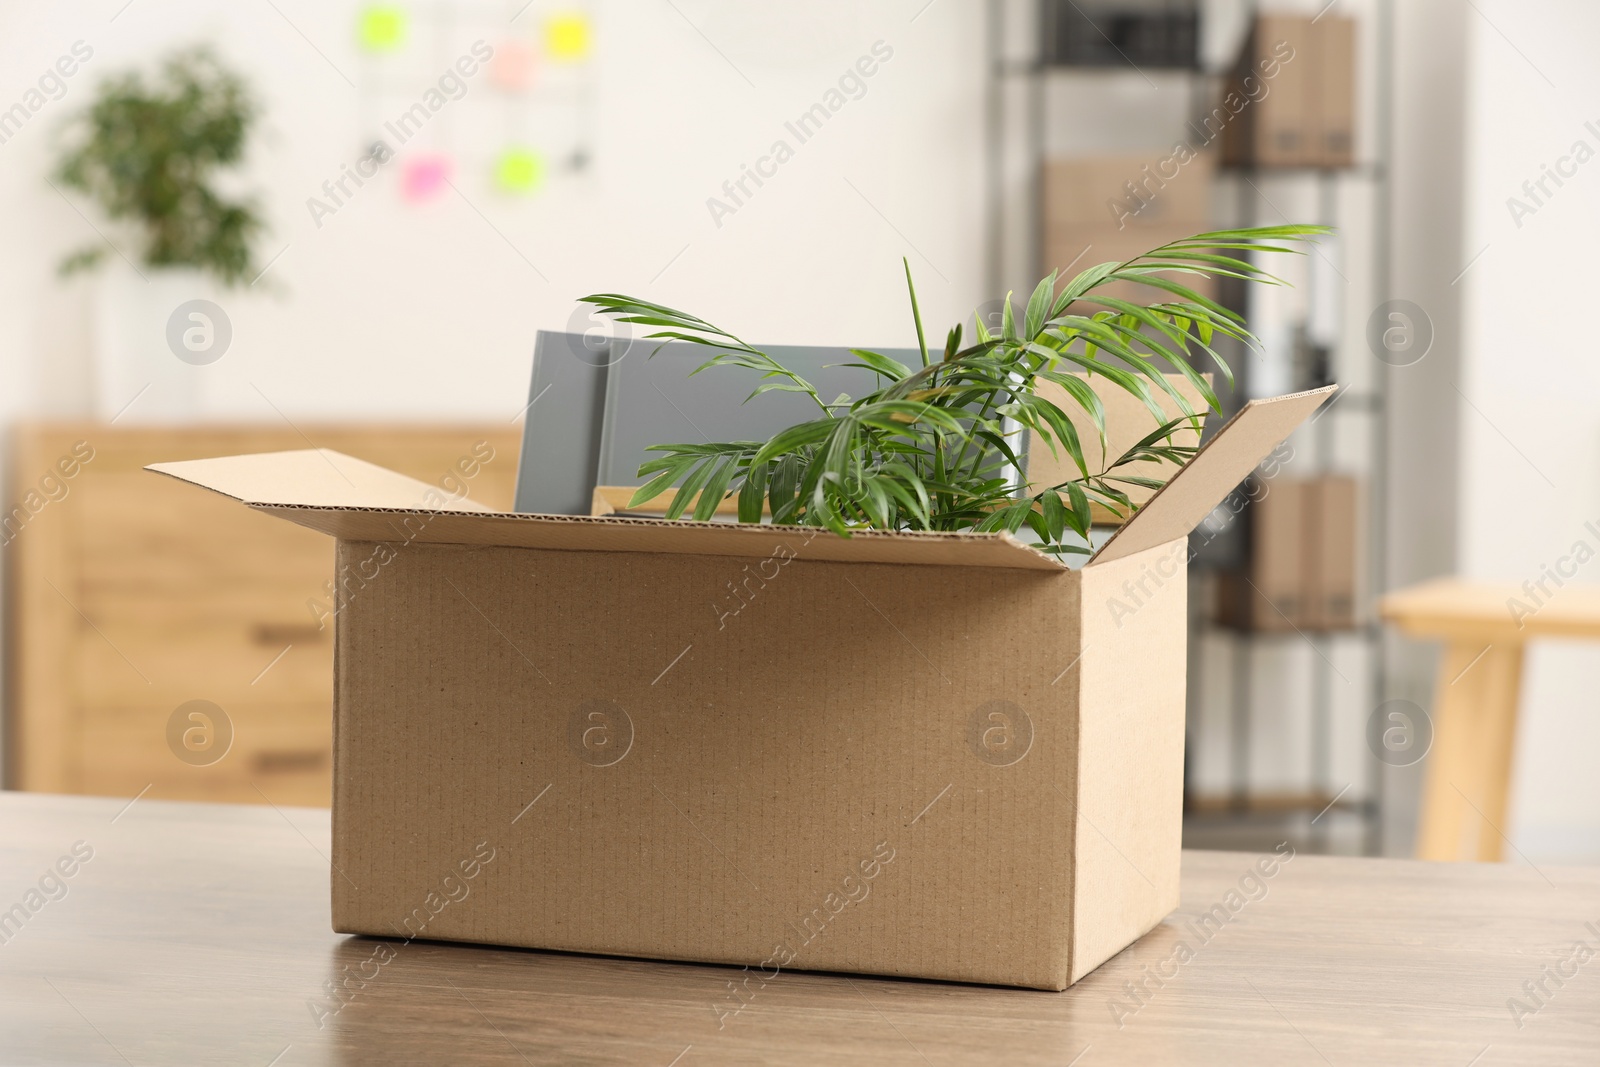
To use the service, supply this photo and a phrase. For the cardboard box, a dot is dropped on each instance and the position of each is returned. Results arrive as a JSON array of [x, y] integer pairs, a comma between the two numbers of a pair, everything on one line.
[[940, 755], [1334, 40], [1302, 573], [1159, 190], [1332, 522], [1270, 596], [1275, 76], [1105, 208], [1296, 75], [1072, 249], [1128, 422]]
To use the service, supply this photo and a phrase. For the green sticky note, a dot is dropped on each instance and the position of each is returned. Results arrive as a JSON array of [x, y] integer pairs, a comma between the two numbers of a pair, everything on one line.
[[519, 170], [382, 27]]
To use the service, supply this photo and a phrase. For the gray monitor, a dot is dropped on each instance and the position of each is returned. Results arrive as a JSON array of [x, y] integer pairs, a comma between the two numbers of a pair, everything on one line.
[[596, 404]]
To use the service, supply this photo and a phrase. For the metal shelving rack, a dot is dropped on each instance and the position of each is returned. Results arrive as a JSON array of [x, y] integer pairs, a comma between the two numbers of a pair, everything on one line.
[[1007, 75]]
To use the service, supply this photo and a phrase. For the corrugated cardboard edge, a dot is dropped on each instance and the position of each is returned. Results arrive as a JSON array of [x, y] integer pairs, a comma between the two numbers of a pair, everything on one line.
[[258, 482], [1130, 739], [340, 901], [1220, 465], [313, 477]]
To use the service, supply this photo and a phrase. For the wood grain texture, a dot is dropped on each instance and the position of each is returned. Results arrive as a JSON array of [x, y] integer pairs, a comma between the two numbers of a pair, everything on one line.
[[1475, 699], [1468, 778], [1460, 610], [199, 933], [129, 594]]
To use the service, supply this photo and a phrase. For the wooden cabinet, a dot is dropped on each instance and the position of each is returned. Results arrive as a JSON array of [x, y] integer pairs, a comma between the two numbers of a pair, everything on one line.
[[128, 594]]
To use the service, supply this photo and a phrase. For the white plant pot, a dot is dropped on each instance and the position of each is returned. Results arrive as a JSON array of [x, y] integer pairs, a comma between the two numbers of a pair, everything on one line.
[[155, 338]]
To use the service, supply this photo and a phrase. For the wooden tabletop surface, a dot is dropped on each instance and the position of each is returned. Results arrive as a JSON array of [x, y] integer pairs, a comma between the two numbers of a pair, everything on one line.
[[199, 934], [1456, 608]]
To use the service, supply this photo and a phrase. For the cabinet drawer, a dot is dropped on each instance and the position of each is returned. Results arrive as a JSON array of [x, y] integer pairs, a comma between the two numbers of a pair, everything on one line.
[[129, 594], [160, 666], [279, 752]]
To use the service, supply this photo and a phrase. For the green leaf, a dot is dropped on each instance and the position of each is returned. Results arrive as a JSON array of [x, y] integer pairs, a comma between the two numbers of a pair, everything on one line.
[[892, 369], [751, 493], [716, 489], [922, 340], [1055, 515], [938, 448], [1038, 307]]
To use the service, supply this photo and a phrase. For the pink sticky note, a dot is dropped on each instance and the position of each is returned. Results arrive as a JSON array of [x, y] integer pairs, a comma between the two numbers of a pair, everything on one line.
[[424, 177]]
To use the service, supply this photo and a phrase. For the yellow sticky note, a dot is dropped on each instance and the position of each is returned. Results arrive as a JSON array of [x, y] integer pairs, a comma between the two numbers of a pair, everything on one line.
[[568, 35], [382, 27], [519, 170]]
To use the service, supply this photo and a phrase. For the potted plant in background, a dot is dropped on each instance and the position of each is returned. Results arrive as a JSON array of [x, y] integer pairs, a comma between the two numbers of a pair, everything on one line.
[[149, 154], [936, 446]]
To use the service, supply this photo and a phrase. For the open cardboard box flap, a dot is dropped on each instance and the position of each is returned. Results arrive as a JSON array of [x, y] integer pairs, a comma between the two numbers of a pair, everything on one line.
[[1220, 465], [354, 500]]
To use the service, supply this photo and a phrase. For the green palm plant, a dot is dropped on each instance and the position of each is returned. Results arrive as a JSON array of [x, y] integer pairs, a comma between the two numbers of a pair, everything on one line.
[[935, 447]]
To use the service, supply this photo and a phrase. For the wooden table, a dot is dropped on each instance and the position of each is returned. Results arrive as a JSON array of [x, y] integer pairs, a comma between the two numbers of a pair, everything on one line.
[[1474, 716], [199, 934]]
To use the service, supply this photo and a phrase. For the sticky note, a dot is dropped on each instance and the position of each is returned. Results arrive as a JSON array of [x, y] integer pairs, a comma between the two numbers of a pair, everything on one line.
[[567, 35], [382, 27], [519, 170], [424, 177], [513, 67]]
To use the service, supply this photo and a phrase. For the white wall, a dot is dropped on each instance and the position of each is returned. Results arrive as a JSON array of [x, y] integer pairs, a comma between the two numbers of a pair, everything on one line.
[[429, 312], [1530, 424]]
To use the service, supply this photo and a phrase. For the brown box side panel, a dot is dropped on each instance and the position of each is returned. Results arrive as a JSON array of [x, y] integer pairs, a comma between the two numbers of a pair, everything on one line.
[[1285, 128], [1280, 538], [1165, 189], [1130, 751], [1332, 519], [1073, 249], [785, 763], [1335, 40], [1128, 421]]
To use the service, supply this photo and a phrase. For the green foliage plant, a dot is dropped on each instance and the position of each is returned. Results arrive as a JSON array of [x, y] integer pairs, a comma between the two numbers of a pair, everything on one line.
[[147, 152], [935, 447]]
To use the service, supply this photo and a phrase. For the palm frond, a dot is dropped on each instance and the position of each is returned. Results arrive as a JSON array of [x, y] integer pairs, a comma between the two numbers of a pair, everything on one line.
[[937, 447]]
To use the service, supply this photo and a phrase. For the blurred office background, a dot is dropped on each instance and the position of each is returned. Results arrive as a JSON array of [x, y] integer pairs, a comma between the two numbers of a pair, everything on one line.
[[604, 146]]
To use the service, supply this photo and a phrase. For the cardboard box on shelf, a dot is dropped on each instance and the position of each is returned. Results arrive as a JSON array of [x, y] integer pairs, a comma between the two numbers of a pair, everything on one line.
[[1332, 522], [1294, 89], [1269, 596], [1103, 208], [1272, 87], [1073, 249], [1302, 571], [1136, 191], [1334, 39], [940, 755]]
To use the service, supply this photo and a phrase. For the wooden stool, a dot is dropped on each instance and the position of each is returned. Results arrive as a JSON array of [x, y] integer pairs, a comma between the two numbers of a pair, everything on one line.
[[1463, 814]]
